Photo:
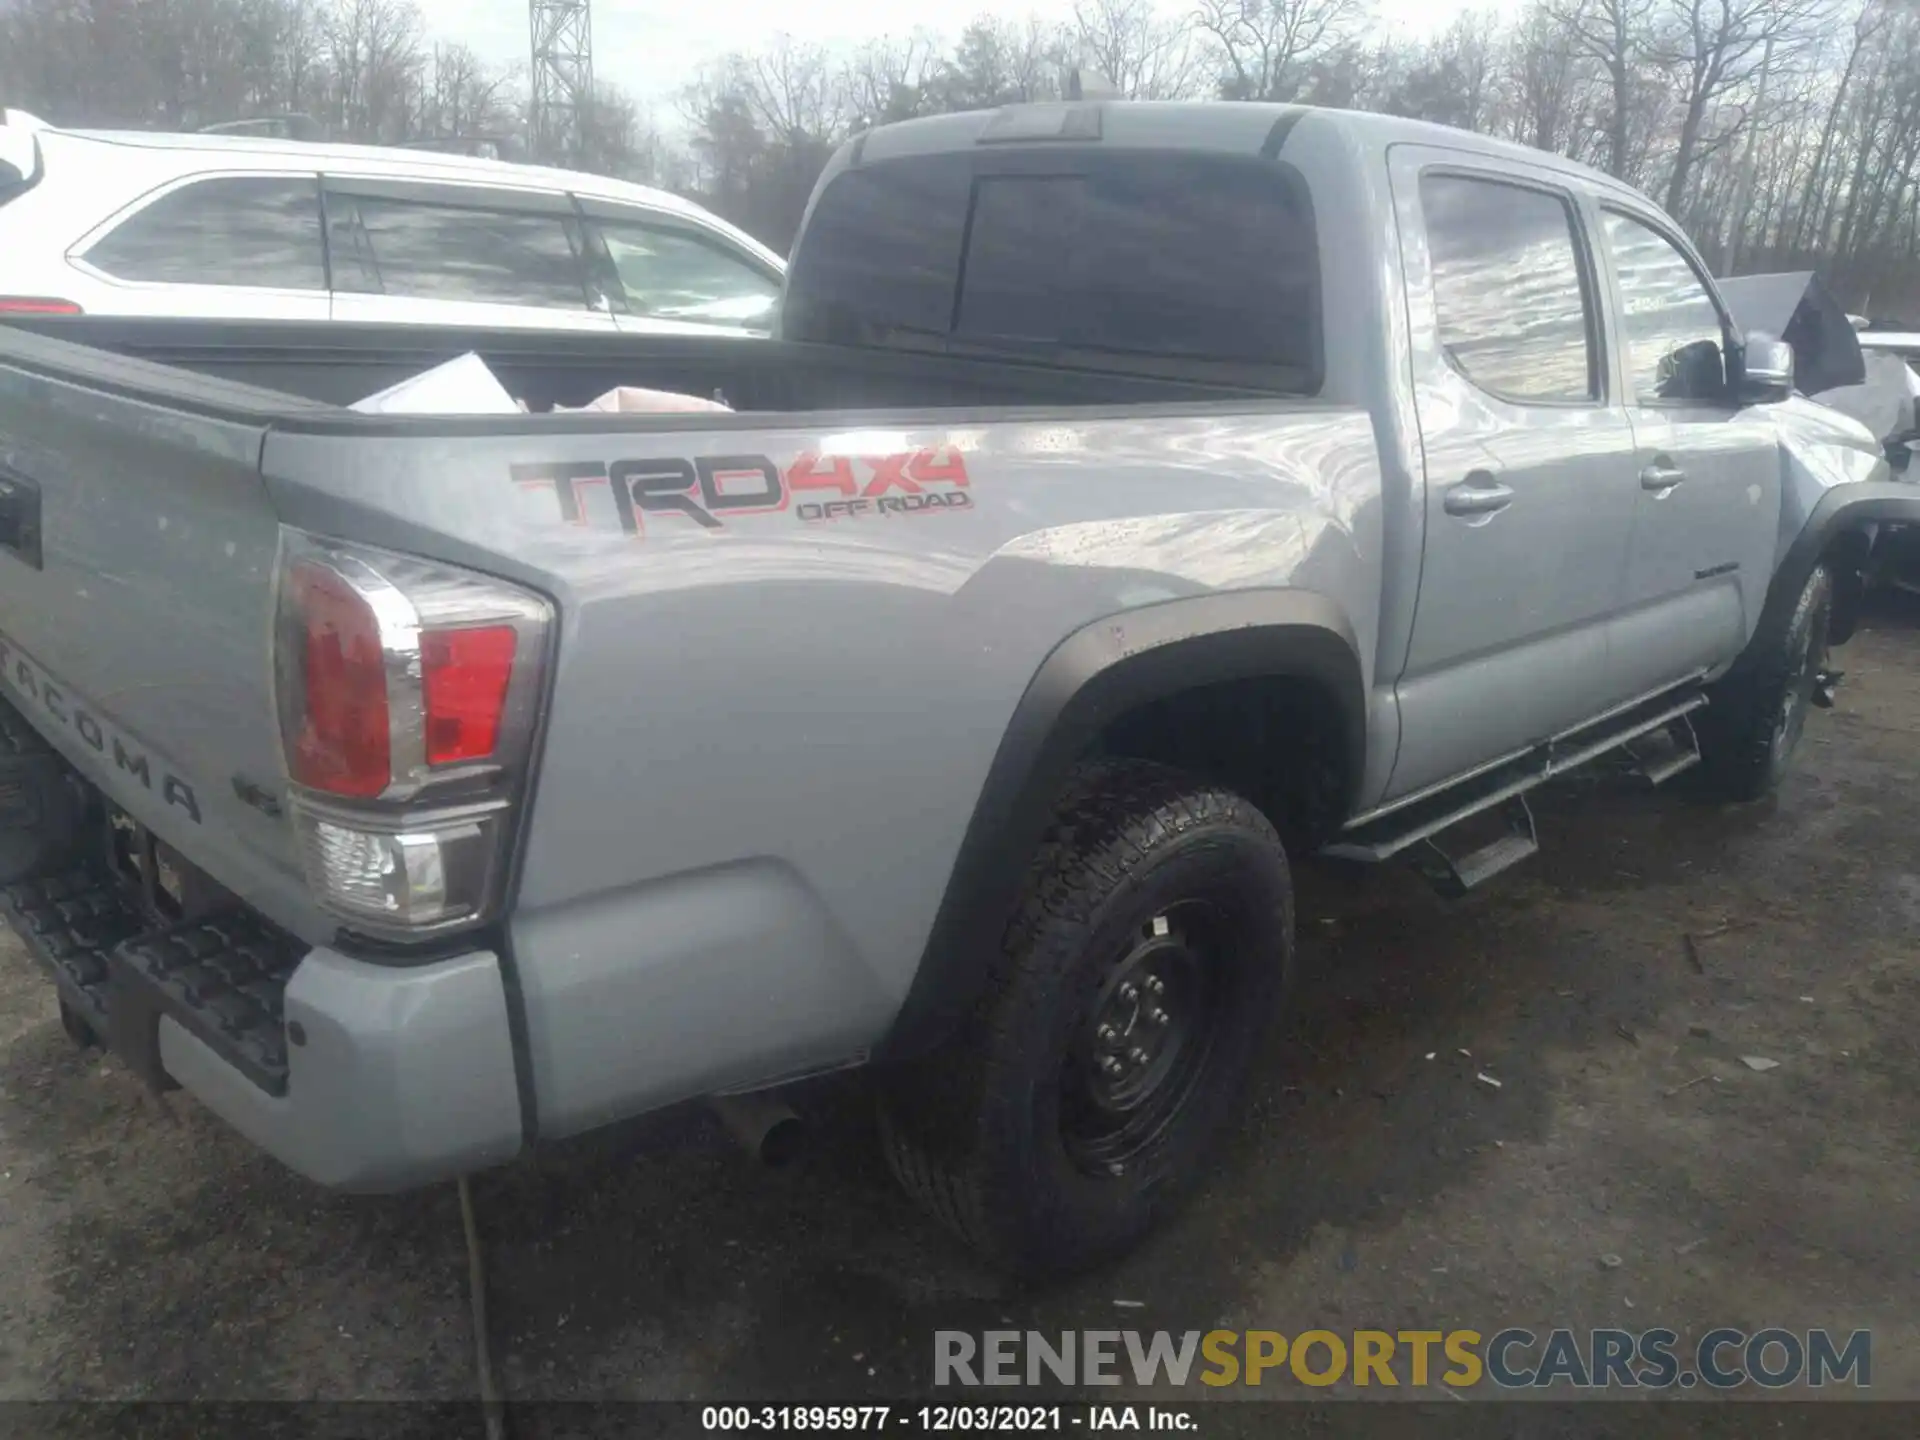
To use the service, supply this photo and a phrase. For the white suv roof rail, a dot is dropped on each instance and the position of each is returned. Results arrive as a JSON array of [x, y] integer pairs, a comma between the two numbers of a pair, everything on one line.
[[289, 126]]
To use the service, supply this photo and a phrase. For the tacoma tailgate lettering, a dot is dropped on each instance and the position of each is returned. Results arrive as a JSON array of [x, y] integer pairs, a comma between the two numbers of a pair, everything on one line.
[[36, 689]]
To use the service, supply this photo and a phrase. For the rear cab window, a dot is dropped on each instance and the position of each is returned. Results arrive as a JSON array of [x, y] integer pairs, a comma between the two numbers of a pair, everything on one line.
[[261, 231], [1191, 263]]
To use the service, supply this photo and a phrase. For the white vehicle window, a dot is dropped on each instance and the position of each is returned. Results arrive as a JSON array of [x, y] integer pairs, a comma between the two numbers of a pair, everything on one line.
[[674, 275], [1673, 330], [258, 231], [424, 251], [1509, 288]]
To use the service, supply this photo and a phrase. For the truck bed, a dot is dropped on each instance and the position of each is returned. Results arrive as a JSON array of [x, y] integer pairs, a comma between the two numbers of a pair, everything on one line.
[[338, 363]]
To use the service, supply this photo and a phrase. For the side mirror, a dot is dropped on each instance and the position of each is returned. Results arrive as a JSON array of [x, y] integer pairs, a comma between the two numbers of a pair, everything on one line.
[[1694, 371], [1766, 370]]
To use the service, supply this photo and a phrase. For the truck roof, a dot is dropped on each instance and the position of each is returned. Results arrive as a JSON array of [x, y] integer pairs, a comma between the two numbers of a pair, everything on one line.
[[1237, 128]]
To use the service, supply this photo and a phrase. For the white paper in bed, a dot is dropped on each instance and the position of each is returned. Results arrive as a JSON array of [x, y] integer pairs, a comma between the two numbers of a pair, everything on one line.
[[463, 386]]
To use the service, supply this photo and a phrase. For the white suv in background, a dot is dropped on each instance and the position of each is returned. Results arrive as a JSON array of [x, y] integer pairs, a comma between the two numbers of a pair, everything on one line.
[[131, 223]]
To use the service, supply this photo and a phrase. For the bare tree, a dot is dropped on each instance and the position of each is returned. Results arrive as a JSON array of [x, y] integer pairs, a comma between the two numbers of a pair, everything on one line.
[[1550, 78], [728, 146], [617, 138], [464, 96], [1002, 62], [1886, 137], [1615, 34], [1343, 76], [1449, 80], [1144, 53], [1778, 139], [893, 79], [765, 124], [376, 57], [292, 31], [793, 90], [1264, 47], [1718, 49]]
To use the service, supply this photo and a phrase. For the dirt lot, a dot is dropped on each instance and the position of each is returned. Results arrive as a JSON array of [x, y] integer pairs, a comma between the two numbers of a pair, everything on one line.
[[1375, 1180]]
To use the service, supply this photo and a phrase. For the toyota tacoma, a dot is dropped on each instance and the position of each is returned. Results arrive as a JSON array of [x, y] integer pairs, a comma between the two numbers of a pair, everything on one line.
[[1136, 498]]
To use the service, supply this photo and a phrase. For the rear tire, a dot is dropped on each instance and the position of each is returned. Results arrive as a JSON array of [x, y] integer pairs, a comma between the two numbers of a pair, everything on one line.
[[1753, 725], [1143, 964]]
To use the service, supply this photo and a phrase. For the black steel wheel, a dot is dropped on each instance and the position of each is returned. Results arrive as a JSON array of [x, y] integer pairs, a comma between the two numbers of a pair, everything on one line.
[[1076, 1105], [1753, 725], [1144, 1045]]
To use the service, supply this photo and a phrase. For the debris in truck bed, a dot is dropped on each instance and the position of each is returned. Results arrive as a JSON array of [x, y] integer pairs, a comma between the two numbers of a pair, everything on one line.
[[466, 386], [630, 399], [462, 386]]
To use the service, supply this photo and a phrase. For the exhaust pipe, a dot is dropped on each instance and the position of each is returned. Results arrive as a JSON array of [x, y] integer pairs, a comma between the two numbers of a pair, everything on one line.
[[764, 1123]]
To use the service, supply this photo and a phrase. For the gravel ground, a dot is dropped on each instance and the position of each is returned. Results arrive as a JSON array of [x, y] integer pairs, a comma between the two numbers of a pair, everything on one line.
[[146, 1252]]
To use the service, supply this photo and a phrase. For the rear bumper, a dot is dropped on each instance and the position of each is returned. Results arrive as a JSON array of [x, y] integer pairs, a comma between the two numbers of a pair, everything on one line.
[[359, 1076], [395, 1077]]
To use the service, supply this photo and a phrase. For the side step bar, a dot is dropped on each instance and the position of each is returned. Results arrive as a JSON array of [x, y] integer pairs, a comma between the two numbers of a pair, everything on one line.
[[1504, 786], [1454, 878], [1683, 753]]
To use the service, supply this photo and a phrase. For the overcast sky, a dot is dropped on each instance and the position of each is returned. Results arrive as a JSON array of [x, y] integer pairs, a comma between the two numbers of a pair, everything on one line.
[[652, 48]]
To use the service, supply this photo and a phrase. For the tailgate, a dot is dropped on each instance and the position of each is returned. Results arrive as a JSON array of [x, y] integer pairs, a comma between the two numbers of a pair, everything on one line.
[[136, 620]]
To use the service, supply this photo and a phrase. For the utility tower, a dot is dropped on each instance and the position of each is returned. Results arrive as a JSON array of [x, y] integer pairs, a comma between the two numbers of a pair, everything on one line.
[[562, 32]]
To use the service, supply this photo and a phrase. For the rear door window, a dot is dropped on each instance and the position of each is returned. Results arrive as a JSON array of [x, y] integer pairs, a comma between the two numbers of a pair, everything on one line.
[[261, 231], [427, 250], [1108, 255], [1510, 289]]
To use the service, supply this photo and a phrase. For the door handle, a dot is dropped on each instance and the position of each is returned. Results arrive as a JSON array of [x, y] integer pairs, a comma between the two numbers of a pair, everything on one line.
[[1473, 497], [1662, 474]]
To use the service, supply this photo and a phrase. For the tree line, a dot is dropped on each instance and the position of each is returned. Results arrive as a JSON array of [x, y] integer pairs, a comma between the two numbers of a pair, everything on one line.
[[364, 70], [1785, 134]]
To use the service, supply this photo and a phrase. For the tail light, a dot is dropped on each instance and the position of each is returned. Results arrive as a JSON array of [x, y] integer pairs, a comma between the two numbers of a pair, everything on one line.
[[406, 691], [36, 305]]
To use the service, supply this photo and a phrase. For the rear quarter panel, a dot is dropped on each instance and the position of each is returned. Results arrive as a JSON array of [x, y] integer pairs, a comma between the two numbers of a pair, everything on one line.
[[767, 737]]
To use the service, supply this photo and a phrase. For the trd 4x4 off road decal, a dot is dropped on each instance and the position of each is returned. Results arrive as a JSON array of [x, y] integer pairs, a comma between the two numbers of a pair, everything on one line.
[[711, 490]]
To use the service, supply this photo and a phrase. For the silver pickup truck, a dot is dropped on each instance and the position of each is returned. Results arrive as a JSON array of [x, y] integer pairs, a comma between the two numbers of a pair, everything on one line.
[[1137, 495]]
